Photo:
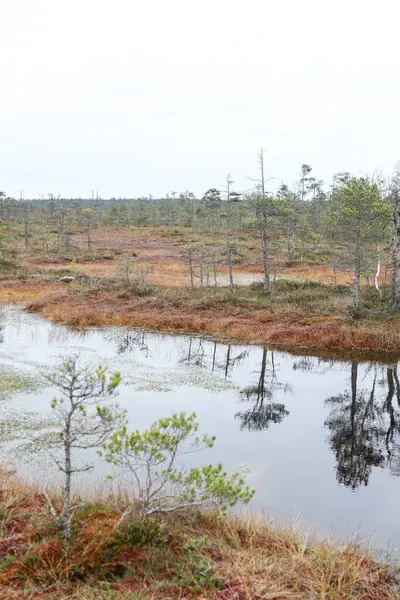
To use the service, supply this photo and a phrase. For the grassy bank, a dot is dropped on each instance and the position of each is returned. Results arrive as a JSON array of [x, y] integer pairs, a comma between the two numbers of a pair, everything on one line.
[[187, 556], [298, 314], [295, 315]]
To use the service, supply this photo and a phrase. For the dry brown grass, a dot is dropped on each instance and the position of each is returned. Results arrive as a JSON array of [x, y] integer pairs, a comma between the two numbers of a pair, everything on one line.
[[309, 315], [272, 562], [161, 248], [21, 292], [243, 558], [322, 273], [297, 318]]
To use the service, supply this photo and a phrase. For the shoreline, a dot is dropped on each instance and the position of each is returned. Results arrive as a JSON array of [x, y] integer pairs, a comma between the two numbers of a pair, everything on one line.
[[353, 351], [242, 318], [245, 557], [289, 332]]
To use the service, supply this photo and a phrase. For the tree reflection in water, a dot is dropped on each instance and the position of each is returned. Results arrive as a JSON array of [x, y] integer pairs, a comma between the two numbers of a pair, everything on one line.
[[363, 424], [392, 437], [231, 361], [264, 411], [130, 340], [196, 355], [364, 431], [355, 425]]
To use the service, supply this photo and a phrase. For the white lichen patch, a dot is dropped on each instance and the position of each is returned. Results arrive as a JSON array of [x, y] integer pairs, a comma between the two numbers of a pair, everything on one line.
[[15, 382], [169, 379]]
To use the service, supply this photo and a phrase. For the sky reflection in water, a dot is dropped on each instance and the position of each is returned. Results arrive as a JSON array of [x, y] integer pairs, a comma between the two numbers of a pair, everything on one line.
[[320, 438]]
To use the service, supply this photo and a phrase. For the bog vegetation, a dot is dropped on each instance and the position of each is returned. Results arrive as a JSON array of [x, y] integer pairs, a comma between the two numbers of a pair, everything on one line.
[[166, 535], [351, 224], [326, 256], [175, 263]]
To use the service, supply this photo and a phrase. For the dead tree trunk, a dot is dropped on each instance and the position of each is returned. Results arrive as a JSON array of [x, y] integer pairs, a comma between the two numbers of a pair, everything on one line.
[[394, 295], [377, 274], [265, 254], [229, 233], [67, 484]]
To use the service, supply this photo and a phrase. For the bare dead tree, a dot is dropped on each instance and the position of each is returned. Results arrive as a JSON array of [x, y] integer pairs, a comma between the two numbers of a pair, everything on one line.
[[229, 182], [265, 209], [394, 194]]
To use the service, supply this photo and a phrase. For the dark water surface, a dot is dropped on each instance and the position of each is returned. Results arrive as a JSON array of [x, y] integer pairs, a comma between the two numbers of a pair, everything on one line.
[[320, 438]]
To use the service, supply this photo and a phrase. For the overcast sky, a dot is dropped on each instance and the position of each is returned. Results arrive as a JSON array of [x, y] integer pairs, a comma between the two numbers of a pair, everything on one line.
[[131, 98]]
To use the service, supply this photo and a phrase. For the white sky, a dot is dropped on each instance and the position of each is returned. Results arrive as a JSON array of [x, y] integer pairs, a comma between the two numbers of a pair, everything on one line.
[[131, 98]]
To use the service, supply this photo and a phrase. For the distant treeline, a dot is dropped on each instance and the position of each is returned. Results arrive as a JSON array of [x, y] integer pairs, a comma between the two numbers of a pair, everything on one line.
[[352, 224]]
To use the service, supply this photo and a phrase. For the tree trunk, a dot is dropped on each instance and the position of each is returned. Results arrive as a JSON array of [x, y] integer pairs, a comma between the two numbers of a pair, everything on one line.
[[191, 268], [377, 274], [265, 253], [229, 253], [229, 234], [67, 486], [357, 276], [393, 295], [201, 269]]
